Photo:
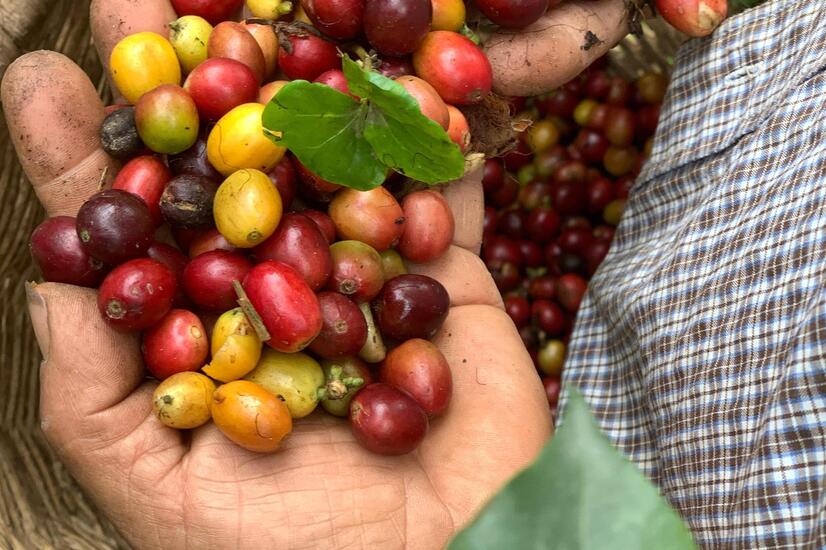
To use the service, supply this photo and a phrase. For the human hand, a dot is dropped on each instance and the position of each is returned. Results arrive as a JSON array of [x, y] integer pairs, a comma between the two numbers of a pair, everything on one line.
[[557, 47], [164, 488]]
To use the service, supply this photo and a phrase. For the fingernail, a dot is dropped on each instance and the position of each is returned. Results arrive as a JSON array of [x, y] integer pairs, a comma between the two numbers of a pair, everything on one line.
[[40, 319]]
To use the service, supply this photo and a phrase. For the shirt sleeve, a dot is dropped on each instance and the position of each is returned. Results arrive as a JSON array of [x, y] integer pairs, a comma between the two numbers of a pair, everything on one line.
[[701, 343]]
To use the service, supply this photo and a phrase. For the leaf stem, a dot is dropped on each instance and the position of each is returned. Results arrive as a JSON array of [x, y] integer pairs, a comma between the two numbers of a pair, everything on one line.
[[249, 310], [364, 56]]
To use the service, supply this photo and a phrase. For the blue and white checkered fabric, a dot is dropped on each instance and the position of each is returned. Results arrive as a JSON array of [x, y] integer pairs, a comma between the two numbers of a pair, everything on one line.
[[701, 344]]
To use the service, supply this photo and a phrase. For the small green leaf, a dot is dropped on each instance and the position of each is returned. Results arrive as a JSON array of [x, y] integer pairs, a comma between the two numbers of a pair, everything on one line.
[[354, 143], [402, 137], [580, 494], [325, 130]]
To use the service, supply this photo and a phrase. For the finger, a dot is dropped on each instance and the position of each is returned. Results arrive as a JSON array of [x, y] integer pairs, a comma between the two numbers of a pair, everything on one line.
[[96, 408], [87, 366], [112, 20], [54, 117], [93, 394], [464, 276], [467, 201], [556, 48], [496, 385]]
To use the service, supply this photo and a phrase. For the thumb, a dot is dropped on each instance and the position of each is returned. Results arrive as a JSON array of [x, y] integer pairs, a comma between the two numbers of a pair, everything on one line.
[[96, 408], [92, 388]]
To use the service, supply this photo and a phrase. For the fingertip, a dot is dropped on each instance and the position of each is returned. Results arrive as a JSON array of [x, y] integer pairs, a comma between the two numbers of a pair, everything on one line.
[[53, 112], [54, 115]]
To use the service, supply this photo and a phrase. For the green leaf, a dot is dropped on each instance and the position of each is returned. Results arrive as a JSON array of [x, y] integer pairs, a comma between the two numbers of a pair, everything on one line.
[[402, 137], [325, 130], [354, 143], [579, 494]]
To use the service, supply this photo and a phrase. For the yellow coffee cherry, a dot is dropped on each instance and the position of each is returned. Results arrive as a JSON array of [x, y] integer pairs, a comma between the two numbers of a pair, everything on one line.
[[448, 15], [247, 208], [183, 400], [189, 36], [269, 9], [236, 347], [141, 62], [238, 141]]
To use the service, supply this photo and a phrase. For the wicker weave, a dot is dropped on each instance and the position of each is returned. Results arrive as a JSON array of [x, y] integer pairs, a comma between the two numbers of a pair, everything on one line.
[[41, 507]]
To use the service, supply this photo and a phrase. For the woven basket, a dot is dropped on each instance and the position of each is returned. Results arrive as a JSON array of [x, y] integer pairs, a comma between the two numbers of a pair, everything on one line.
[[41, 507]]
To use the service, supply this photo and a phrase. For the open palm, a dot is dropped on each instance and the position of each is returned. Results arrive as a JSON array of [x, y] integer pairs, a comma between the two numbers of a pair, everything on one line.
[[166, 489], [171, 489]]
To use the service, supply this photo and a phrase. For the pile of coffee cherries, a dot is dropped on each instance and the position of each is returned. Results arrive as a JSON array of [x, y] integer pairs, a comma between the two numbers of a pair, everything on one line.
[[259, 289], [552, 204]]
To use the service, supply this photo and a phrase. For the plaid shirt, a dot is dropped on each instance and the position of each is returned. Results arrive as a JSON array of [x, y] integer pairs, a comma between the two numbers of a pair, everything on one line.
[[701, 344]]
